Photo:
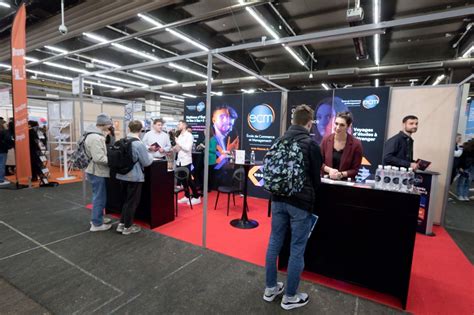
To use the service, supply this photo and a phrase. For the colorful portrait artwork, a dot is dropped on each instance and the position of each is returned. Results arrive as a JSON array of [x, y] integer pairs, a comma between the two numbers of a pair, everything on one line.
[[224, 131]]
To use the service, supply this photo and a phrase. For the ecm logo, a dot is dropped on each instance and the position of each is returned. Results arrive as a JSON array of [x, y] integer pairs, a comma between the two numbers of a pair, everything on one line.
[[261, 117], [200, 106], [371, 101]]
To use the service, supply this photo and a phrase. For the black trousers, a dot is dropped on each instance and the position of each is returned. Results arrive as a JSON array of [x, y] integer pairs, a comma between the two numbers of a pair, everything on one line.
[[131, 193], [190, 184]]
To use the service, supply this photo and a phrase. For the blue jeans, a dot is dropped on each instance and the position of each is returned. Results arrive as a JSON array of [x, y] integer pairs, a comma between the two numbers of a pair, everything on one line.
[[99, 198], [464, 182], [283, 217], [3, 160]]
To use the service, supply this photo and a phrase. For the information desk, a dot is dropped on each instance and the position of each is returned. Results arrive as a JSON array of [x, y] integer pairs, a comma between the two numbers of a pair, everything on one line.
[[157, 201], [363, 236]]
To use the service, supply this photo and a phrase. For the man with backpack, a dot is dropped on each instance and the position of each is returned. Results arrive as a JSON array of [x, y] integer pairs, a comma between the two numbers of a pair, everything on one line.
[[292, 174], [134, 157], [97, 171]]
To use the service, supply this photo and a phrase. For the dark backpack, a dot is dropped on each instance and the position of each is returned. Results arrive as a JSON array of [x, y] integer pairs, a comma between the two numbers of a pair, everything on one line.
[[283, 169], [120, 156], [79, 157]]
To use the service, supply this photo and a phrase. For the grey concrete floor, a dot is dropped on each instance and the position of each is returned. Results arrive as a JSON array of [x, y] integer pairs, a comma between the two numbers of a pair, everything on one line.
[[50, 263], [459, 222]]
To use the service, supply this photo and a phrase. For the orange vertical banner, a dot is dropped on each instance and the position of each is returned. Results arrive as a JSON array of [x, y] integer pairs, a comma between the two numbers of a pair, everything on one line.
[[20, 109]]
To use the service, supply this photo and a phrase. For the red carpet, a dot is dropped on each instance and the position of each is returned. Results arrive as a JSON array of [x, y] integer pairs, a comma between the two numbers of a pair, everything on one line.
[[442, 280]]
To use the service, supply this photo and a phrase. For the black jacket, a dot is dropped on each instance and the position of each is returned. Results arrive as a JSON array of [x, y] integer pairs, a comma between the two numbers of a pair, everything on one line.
[[6, 141], [312, 164], [398, 150]]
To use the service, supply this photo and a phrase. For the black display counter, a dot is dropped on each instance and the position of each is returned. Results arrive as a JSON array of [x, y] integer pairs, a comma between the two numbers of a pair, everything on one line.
[[157, 201], [363, 236]]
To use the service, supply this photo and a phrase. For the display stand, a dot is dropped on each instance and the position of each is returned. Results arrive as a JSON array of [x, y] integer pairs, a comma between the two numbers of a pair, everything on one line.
[[41, 161], [65, 151], [426, 184]]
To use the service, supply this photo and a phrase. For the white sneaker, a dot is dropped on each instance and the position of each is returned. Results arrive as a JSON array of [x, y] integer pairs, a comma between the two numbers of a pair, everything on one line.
[[133, 229], [120, 227], [195, 201], [107, 220], [271, 293], [465, 199], [5, 182], [298, 300], [183, 200], [103, 227]]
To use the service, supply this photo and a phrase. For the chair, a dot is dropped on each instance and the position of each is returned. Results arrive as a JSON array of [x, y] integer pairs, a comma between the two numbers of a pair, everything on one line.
[[181, 174], [237, 181]]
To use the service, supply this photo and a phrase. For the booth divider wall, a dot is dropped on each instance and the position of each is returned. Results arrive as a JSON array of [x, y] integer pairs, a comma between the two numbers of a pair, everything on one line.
[[438, 110]]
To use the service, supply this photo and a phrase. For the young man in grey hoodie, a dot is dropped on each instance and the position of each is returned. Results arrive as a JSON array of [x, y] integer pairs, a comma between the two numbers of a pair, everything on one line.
[[132, 182], [97, 171]]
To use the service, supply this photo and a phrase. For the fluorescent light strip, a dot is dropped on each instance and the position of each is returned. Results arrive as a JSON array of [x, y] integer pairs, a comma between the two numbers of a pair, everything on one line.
[[47, 74], [157, 77], [325, 86], [171, 64], [118, 88], [31, 59], [468, 52], [5, 66], [376, 12], [121, 80], [216, 93], [262, 22], [3, 4], [57, 65], [189, 95], [377, 82], [175, 33], [257, 17], [249, 91], [56, 49], [120, 46], [187, 39], [439, 79], [292, 52], [172, 98], [103, 40]]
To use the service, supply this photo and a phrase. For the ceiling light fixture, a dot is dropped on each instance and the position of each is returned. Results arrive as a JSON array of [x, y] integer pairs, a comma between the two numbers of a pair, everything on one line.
[[249, 91], [157, 77], [376, 12], [47, 74], [325, 86], [117, 88], [189, 95], [120, 46], [31, 59], [217, 93], [377, 83], [56, 49], [439, 79], [269, 29], [175, 33], [468, 52], [172, 98], [121, 80], [171, 64], [5, 66], [5, 5]]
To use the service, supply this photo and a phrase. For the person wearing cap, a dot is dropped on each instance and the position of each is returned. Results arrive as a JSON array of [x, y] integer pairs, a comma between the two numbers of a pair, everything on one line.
[[97, 171]]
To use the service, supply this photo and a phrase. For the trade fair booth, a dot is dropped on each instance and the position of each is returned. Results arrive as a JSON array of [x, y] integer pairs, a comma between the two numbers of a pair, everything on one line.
[[365, 241]]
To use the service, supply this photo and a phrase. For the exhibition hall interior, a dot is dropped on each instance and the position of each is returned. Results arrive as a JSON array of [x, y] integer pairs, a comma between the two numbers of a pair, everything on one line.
[[236, 156]]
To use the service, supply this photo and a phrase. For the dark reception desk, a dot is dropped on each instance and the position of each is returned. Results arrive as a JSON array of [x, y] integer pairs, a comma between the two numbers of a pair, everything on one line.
[[157, 201], [363, 236]]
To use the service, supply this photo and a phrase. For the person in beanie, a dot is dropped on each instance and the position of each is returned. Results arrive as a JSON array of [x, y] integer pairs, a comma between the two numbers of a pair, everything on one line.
[[132, 182], [97, 171]]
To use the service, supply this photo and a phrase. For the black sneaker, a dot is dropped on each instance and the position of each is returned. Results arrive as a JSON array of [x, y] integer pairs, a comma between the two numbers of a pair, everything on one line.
[[298, 300], [271, 293]]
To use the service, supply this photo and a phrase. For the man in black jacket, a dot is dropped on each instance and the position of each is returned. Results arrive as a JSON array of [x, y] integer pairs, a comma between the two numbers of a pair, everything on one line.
[[398, 150], [295, 213]]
